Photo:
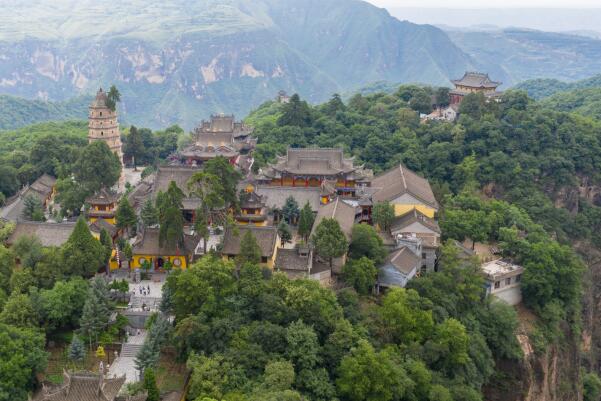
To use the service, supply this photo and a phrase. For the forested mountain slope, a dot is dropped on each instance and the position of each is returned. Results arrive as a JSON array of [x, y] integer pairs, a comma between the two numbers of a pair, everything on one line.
[[541, 88], [545, 163], [19, 112], [178, 61]]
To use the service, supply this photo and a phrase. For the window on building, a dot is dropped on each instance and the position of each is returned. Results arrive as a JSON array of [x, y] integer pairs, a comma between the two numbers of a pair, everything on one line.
[[100, 114], [101, 133], [263, 259], [497, 284], [424, 256], [508, 281], [142, 260], [518, 278], [177, 262]]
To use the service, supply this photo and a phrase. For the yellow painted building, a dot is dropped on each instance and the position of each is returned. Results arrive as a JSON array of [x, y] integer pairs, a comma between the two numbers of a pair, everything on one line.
[[148, 249], [267, 238], [102, 205]]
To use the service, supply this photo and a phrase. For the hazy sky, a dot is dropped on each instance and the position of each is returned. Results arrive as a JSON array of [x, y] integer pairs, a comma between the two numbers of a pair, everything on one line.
[[488, 3]]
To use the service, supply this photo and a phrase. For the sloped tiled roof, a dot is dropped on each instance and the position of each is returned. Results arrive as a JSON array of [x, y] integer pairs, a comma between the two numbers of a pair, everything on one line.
[[403, 260], [85, 387], [101, 99], [40, 189], [399, 181], [103, 197], [148, 244], [411, 217], [49, 234], [339, 210], [275, 197], [291, 259], [99, 224], [266, 238], [476, 80]]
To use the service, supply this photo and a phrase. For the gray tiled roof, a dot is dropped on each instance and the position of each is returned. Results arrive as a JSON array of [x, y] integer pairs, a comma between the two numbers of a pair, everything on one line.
[[476, 80], [266, 238], [291, 259], [85, 387], [49, 234], [399, 181], [339, 210], [315, 162], [148, 244], [40, 189], [411, 217], [100, 224], [275, 197], [181, 175]]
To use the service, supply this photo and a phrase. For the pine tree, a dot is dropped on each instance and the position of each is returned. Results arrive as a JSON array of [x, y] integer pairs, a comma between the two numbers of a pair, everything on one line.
[[33, 209], [134, 146], [82, 254], [125, 215], [107, 243], [149, 214], [290, 210], [296, 112], [249, 250], [284, 232], [305, 221], [150, 385], [77, 352], [148, 355], [96, 310], [329, 240]]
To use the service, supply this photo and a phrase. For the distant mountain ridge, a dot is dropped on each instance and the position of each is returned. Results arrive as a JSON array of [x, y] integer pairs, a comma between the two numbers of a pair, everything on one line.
[[179, 61], [18, 112], [541, 88]]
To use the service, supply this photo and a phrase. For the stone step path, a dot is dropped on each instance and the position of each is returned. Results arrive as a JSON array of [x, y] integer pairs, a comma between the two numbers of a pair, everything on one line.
[[130, 350]]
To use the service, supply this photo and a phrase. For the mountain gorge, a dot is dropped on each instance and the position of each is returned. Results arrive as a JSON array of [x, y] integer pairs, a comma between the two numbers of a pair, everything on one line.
[[178, 62]]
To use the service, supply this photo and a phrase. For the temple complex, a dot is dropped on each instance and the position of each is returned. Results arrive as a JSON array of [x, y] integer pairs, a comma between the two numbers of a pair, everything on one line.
[[102, 205], [103, 126], [220, 136], [473, 82], [314, 167]]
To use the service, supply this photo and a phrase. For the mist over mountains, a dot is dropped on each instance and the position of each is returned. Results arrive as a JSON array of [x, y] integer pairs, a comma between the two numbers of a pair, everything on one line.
[[179, 61]]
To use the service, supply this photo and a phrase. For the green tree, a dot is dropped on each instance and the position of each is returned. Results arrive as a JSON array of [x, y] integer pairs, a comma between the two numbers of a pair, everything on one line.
[[77, 351], [406, 316], [450, 346], [210, 376], [9, 184], [96, 311], [7, 264], [383, 215], [22, 358], [290, 210], [366, 242], [209, 189], [169, 205], [134, 146], [82, 254], [113, 97], [442, 96], [284, 232], [97, 167], [592, 387], [61, 306], [305, 221], [107, 243], [329, 240], [71, 195], [366, 375], [126, 215], [150, 385], [149, 214], [33, 209], [303, 346], [29, 250], [228, 178], [250, 252], [19, 311], [295, 113], [361, 274]]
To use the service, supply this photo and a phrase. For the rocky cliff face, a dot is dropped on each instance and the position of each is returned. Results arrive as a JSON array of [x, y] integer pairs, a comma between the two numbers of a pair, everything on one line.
[[176, 62]]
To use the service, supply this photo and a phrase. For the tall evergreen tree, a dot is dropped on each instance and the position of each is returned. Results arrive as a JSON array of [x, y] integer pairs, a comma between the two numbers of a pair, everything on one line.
[[305, 221], [383, 215], [284, 232], [329, 240], [134, 146], [296, 113], [228, 178], [82, 254], [33, 209], [149, 214], [249, 250], [150, 385], [107, 243], [126, 215], [77, 351], [113, 97], [290, 210]]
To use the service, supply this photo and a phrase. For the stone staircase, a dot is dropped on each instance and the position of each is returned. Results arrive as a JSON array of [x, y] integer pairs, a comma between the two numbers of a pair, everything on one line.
[[130, 350]]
